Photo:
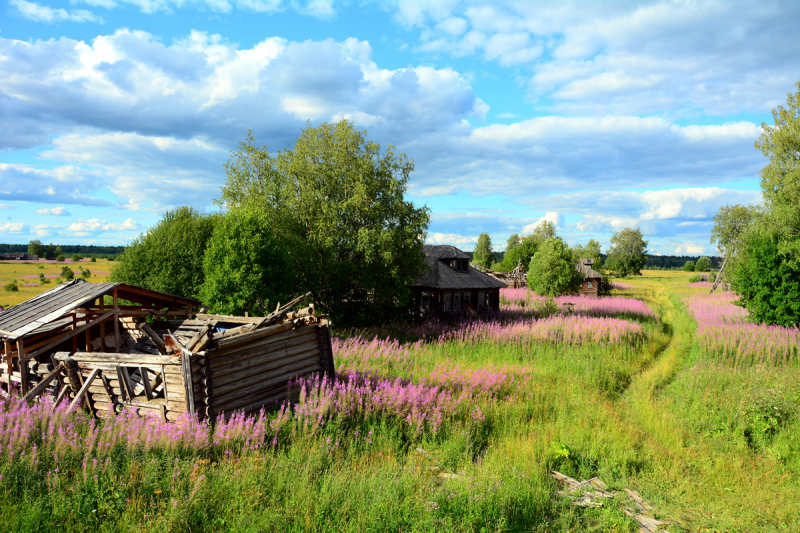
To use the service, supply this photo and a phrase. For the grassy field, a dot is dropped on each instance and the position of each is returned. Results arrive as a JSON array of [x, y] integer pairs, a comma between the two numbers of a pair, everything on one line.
[[457, 432], [17, 270]]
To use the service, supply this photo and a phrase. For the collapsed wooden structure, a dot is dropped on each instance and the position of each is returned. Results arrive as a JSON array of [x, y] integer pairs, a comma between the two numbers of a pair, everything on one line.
[[78, 341], [514, 279]]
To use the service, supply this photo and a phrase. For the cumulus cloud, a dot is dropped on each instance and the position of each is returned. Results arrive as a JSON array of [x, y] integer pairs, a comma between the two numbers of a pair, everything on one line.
[[13, 227], [452, 238], [59, 211], [95, 224], [65, 184], [556, 218], [41, 13]]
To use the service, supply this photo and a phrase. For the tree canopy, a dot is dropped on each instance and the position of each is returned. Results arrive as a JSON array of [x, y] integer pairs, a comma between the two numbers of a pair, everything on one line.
[[628, 252], [483, 251], [169, 256], [592, 250], [35, 247], [552, 270], [703, 264], [688, 266], [730, 224], [336, 204], [246, 270]]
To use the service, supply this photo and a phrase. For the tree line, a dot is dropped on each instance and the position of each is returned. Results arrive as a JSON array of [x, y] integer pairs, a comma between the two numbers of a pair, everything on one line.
[[36, 247]]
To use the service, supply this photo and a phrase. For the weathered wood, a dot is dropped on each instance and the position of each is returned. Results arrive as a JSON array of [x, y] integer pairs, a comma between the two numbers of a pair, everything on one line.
[[290, 372], [60, 397], [38, 389], [217, 357], [173, 344], [83, 389], [148, 392], [198, 337], [204, 341], [230, 318], [9, 370], [256, 376], [269, 361], [326, 349], [218, 367], [145, 328], [246, 338], [122, 358], [23, 370], [278, 312], [187, 371], [128, 392], [272, 394]]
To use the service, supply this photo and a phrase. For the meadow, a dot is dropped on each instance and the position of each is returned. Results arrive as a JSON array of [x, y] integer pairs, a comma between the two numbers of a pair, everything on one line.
[[26, 274], [455, 427]]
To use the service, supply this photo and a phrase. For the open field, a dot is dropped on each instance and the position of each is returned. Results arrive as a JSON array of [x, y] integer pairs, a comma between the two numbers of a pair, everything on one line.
[[455, 428], [27, 275]]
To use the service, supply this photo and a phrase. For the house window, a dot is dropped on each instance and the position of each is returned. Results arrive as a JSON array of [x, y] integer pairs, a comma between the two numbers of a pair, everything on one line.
[[425, 302], [588, 284], [481, 300], [456, 302], [446, 303]]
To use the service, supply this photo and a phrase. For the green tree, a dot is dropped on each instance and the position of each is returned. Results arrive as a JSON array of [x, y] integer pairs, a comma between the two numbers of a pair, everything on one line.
[[730, 224], [67, 273], [512, 242], [768, 284], [483, 251], [246, 269], [35, 247], [169, 256], [336, 203], [628, 252], [544, 231], [592, 250], [688, 266], [780, 178], [50, 251], [552, 270], [703, 264]]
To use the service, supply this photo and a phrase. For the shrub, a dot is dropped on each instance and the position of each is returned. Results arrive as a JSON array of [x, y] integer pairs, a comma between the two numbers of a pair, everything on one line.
[[93, 259], [59, 281], [703, 265], [86, 274], [552, 271], [689, 266], [712, 277], [695, 278], [60, 258], [77, 257], [41, 267], [67, 273], [12, 286]]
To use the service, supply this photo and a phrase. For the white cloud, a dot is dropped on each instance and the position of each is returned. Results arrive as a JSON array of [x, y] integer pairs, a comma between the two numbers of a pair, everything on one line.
[[13, 227], [65, 184], [56, 211], [95, 224], [41, 13], [556, 218], [452, 238], [7, 206], [689, 248]]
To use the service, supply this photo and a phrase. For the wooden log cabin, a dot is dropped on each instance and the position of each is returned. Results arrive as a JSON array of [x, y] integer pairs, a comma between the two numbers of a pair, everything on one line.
[[451, 287], [592, 279], [79, 341]]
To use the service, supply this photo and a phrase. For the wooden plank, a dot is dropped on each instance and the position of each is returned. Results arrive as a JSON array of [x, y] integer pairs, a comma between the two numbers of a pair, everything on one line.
[[124, 358], [195, 340], [253, 376], [235, 353], [23, 365], [187, 373], [145, 328], [115, 302], [9, 370], [220, 367], [127, 389], [38, 389], [299, 369], [81, 392], [230, 318], [148, 392], [245, 338], [107, 387], [60, 397], [261, 364]]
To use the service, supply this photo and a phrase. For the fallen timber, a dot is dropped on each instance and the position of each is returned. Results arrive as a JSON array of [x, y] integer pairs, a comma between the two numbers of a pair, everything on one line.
[[182, 362]]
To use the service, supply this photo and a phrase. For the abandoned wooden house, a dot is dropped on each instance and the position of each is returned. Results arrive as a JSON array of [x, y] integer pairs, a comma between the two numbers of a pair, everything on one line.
[[92, 344], [18, 256], [592, 279], [514, 279], [450, 286]]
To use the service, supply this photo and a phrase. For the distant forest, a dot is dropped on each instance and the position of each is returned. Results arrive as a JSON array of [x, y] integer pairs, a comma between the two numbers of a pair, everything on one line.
[[67, 249], [665, 262]]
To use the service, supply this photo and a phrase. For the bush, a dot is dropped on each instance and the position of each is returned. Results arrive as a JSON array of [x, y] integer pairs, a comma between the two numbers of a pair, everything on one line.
[[689, 266], [93, 259], [246, 269], [695, 278], [703, 265], [60, 258], [77, 257], [59, 281], [12, 286], [67, 273], [169, 256], [552, 271], [41, 267], [712, 277], [86, 274]]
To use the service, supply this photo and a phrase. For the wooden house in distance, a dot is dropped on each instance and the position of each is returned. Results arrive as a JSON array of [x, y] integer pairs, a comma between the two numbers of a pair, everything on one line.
[[450, 286], [80, 342], [590, 286]]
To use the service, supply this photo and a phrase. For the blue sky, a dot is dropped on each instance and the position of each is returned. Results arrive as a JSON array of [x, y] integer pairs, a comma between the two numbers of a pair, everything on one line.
[[594, 115]]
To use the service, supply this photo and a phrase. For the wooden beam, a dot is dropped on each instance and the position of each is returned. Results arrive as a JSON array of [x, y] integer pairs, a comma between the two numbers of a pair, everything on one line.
[[145, 328], [38, 389], [23, 365], [116, 321], [107, 387], [9, 369], [60, 397], [146, 382], [102, 325], [125, 379], [83, 390], [72, 333], [74, 327], [187, 381]]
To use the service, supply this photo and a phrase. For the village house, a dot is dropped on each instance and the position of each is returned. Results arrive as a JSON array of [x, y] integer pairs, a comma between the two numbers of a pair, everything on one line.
[[450, 286], [592, 279]]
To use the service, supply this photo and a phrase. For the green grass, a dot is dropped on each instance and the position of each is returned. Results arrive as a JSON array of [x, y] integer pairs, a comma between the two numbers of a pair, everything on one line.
[[701, 441]]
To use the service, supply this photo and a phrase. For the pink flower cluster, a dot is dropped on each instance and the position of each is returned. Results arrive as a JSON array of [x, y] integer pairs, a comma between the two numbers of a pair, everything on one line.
[[523, 301], [725, 333]]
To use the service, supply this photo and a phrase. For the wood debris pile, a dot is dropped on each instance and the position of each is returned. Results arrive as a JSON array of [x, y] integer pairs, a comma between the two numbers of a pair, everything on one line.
[[593, 492]]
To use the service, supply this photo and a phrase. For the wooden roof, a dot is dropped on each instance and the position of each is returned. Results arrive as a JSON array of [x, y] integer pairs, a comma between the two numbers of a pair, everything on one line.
[[439, 275], [584, 266], [43, 309]]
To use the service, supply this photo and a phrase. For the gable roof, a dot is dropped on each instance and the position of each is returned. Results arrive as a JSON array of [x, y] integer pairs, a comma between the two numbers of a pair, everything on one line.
[[439, 275], [44, 308], [584, 266]]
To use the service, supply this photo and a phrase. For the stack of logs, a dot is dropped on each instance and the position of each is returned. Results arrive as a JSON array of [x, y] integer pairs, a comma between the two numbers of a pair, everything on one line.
[[210, 366]]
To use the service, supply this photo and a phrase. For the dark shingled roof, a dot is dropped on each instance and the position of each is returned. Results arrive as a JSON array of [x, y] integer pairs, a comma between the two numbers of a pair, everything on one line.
[[439, 275], [584, 266]]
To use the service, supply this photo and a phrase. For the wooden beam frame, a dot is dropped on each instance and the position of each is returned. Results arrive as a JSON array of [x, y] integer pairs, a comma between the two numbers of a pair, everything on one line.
[[84, 388], [72, 333]]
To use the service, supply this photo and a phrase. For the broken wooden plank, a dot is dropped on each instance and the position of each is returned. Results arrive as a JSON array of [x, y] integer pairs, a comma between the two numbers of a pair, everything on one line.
[[83, 390], [38, 389]]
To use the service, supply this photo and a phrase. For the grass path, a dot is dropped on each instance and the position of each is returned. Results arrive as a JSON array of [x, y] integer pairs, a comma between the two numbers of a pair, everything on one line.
[[700, 484]]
